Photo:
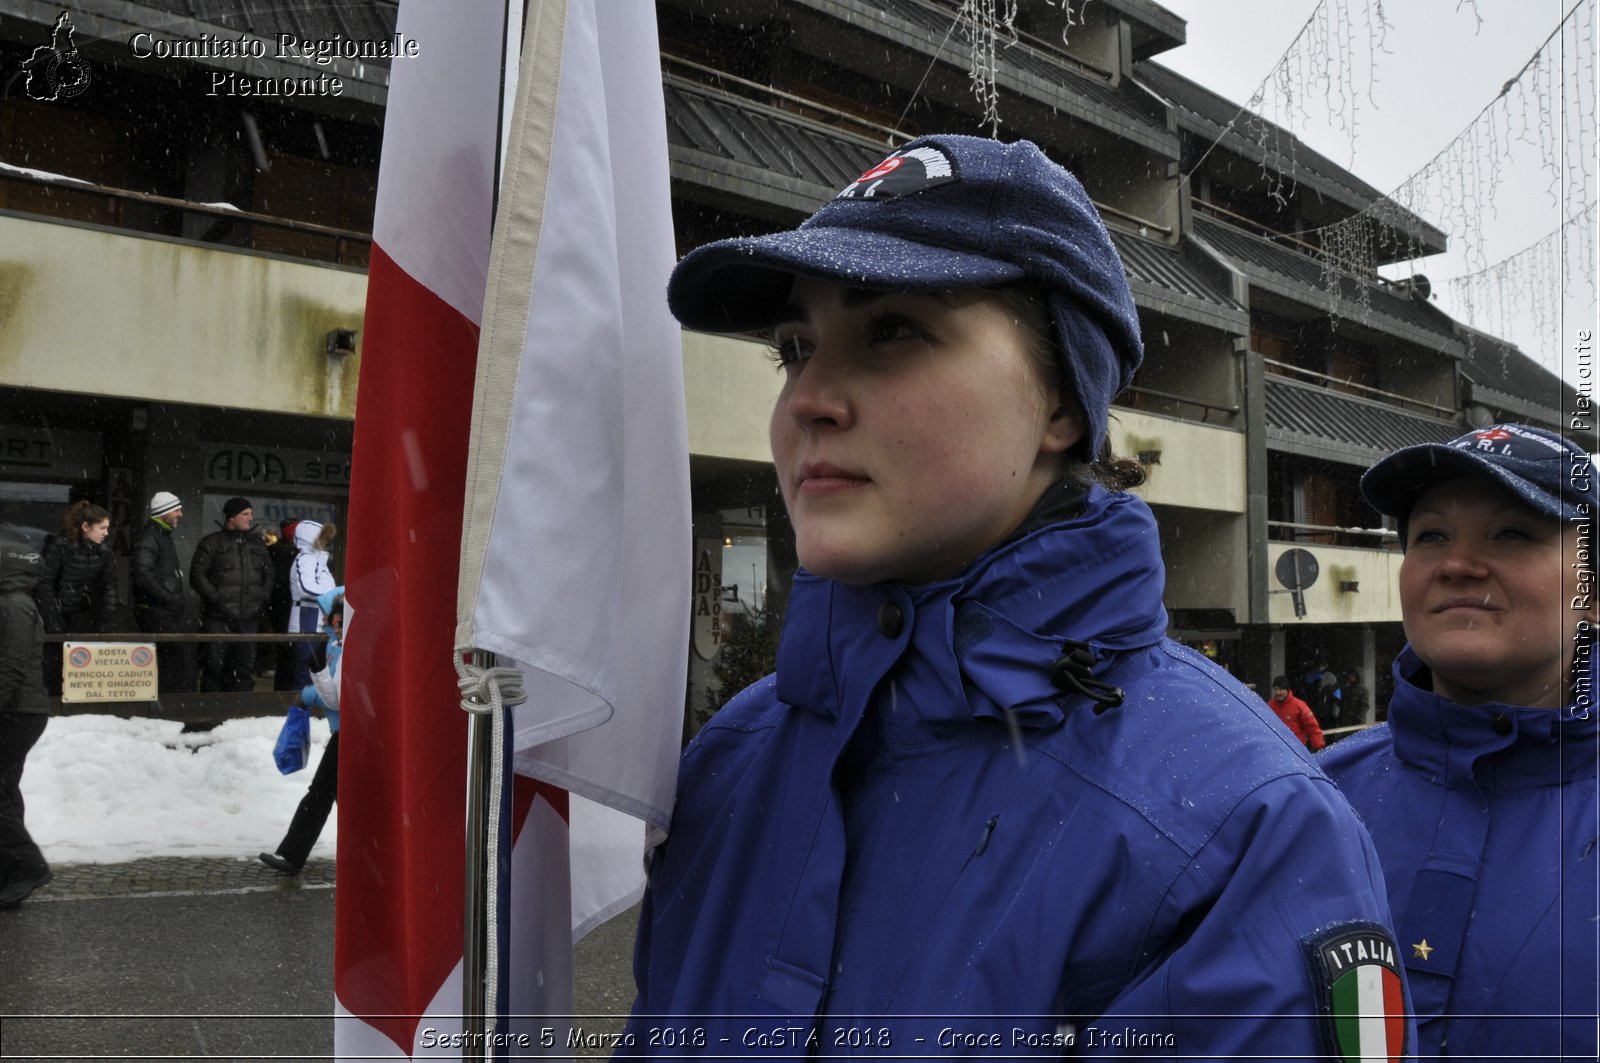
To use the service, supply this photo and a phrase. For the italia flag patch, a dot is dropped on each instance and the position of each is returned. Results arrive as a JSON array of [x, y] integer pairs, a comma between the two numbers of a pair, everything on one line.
[[1360, 995]]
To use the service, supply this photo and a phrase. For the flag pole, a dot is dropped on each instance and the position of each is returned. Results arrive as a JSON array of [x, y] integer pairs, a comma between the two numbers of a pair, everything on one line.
[[475, 1008], [478, 1011]]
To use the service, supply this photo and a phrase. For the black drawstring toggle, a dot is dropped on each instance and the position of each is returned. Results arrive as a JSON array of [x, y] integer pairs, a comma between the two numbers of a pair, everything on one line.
[[1074, 671]]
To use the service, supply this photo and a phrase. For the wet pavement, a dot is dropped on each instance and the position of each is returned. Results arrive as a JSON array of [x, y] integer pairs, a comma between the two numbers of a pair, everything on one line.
[[216, 958], [164, 875]]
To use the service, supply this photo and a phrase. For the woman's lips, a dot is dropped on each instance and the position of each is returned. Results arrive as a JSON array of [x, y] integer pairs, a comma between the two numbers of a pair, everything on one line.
[[821, 479], [1475, 603]]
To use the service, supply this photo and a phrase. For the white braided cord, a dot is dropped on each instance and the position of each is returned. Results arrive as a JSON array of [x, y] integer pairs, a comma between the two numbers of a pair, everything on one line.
[[487, 690]]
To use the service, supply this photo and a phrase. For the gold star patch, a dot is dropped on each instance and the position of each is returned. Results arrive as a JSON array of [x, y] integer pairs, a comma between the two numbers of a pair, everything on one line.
[[1422, 950]]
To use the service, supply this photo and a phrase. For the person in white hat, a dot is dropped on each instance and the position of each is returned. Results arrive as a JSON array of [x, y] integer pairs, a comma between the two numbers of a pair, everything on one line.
[[160, 594]]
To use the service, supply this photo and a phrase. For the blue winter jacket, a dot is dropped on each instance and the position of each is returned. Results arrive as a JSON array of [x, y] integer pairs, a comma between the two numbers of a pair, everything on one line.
[[910, 842], [323, 690], [1485, 817]]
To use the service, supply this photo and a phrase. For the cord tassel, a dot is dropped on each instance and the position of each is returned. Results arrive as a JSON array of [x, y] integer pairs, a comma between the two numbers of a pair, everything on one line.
[[1074, 671]]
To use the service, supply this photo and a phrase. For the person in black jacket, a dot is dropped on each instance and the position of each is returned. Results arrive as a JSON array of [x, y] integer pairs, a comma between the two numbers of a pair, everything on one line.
[[24, 707], [232, 573], [280, 602], [77, 590], [160, 599]]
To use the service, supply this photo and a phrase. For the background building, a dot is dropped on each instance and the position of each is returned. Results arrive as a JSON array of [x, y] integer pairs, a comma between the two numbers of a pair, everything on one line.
[[182, 283]]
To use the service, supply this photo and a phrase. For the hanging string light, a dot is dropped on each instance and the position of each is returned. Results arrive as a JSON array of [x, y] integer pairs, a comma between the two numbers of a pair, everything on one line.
[[1531, 282], [1317, 76], [1543, 117], [988, 26]]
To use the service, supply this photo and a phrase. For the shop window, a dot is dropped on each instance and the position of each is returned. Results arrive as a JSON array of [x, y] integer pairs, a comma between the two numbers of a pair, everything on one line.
[[1313, 501], [744, 562]]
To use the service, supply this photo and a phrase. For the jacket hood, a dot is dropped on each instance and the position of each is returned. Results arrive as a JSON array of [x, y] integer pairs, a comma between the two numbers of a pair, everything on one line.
[[986, 639], [1494, 745], [21, 557], [305, 535]]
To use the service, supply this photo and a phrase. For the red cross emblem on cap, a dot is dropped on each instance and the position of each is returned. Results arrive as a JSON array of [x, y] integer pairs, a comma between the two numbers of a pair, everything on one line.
[[1493, 434], [887, 166]]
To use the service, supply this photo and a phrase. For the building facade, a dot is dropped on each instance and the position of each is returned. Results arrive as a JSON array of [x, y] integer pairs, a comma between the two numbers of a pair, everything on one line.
[[183, 242]]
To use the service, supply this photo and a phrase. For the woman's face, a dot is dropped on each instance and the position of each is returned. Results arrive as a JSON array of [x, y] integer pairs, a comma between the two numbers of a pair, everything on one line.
[[96, 532], [912, 432], [1486, 594]]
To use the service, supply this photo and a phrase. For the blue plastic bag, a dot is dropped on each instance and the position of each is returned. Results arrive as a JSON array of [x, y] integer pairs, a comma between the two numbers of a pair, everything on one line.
[[294, 741]]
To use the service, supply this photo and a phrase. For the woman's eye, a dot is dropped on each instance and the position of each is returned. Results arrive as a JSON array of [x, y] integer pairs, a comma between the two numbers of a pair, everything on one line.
[[787, 350], [888, 328], [1513, 534], [1427, 535]]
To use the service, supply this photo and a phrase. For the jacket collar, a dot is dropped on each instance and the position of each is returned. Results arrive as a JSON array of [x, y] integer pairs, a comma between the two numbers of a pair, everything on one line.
[[981, 643], [1493, 746]]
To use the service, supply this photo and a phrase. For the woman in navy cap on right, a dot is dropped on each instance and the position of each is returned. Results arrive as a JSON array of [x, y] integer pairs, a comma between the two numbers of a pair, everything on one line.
[[1480, 791], [984, 806]]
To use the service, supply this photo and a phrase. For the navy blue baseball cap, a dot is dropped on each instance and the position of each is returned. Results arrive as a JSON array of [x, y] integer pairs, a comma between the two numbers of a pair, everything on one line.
[[942, 212], [1549, 474]]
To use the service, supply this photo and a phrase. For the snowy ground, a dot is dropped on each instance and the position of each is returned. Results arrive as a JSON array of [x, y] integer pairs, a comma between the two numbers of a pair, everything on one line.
[[102, 790]]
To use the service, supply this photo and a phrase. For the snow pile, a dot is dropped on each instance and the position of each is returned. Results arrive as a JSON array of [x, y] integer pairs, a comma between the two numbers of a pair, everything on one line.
[[102, 790]]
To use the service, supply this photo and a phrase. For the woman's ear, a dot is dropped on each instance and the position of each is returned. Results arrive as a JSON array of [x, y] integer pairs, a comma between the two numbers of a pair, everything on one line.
[[1062, 431]]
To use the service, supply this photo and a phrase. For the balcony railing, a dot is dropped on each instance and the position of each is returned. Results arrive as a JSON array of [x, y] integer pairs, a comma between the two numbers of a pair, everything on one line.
[[1333, 535], [328, 243], [1339, 383], [1137, 398]]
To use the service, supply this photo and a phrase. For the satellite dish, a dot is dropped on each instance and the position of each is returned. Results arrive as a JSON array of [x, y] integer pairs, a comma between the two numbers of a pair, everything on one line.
[[1479, 416], [1415, 287]]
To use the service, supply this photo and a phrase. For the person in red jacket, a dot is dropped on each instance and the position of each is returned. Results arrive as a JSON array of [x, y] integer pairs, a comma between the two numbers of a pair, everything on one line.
[[1295, 714]]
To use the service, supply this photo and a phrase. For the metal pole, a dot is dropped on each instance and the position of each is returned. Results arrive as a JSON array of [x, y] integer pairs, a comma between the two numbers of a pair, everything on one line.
[[478, 1007], [475, 918]]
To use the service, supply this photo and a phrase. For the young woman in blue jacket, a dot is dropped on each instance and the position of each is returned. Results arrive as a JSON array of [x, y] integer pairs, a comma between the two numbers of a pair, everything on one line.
[[984, 806], [1480, 790]]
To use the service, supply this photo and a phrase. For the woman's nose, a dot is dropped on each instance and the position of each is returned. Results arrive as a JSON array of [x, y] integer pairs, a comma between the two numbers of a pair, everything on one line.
[[1464, 560], [817, 395]]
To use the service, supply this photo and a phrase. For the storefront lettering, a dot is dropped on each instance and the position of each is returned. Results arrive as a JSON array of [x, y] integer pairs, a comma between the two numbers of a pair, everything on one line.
[[51, 451], [29, 450], [245, 466], [707, 627]]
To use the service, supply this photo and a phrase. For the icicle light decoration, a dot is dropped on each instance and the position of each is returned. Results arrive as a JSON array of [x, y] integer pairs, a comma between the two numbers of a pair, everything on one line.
[[1071, 18], [988, 26], [1532, 283], [1317, 75], [1324, 74], [1544, 115]]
